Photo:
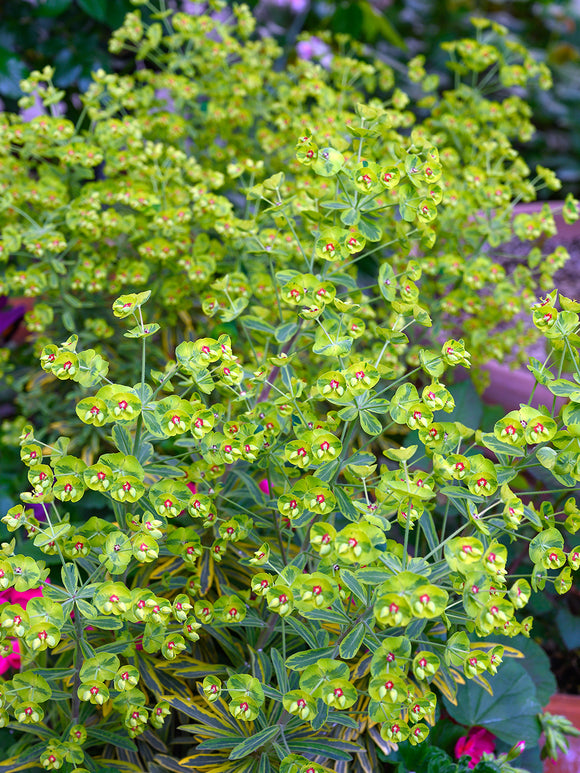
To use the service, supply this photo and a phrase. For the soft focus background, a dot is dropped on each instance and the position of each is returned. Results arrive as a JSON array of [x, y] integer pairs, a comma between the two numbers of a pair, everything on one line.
[[72, 35]]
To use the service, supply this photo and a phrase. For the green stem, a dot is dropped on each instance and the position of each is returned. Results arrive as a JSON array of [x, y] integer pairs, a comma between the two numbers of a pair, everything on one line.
[[137, 438], [76, 701]]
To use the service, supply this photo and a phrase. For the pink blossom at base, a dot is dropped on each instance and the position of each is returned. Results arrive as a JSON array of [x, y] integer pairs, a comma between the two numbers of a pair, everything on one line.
[[264, 487], [474, 745], [12, 596], [10, 650], [9, 655]]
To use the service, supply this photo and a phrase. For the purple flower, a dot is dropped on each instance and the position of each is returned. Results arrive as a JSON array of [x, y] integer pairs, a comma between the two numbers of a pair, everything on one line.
[[164, 95], [194, 9], [314, 48], [298, 6], [295, 6], [38, 109]]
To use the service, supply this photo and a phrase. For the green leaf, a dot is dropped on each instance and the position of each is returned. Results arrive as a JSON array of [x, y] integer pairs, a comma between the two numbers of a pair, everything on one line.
[[22, 761], [285, 332], [114, 647], [374, 576], [328, 163], [255, 323], [254, 742], [272, 692], [541, 374], [543, 542], [29, 686], [87, 650], [97, 9], [569, 628], [535, 662], [338, 348], [122, 439], [327, 615], [370, 424], [345, 505], [351, 643], [333, 748], [369, 229], [163, 471], [301, 660], [349, 413], [490, 441], [190, 668], [350, 217], [376, 24], [70, 577], [510, 713], [105, 737], [280, 670], [105, 624], [564, 388], [265, 765], [321, 715], [353, 585], [219, 744], [145, 331], [86, 609], [203, 379], [428, 526], [334, 205]]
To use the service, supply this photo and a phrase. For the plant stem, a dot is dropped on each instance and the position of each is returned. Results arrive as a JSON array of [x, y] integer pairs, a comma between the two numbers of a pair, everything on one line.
[[76, 701]]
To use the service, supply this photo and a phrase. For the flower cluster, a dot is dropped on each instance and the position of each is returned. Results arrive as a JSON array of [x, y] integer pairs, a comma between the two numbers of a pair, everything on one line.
[[262, 512]]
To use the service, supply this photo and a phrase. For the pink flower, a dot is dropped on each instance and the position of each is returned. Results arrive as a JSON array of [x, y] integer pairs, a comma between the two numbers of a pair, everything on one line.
[[10, 650], [9, 655], [11, 596], [264, 486], [192, 487], [474, 745]]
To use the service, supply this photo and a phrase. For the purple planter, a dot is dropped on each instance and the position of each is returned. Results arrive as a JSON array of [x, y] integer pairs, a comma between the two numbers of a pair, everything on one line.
[[509, 388], [10, 317]]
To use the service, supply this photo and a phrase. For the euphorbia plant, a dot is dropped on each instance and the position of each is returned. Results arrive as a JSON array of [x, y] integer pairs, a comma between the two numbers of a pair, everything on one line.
[[245, 535], [268, 560], [161, 185]]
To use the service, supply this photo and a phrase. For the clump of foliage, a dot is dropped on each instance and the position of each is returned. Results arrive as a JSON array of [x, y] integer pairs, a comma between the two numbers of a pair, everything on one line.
[[241, 535], [248, 541], [188, 171]]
